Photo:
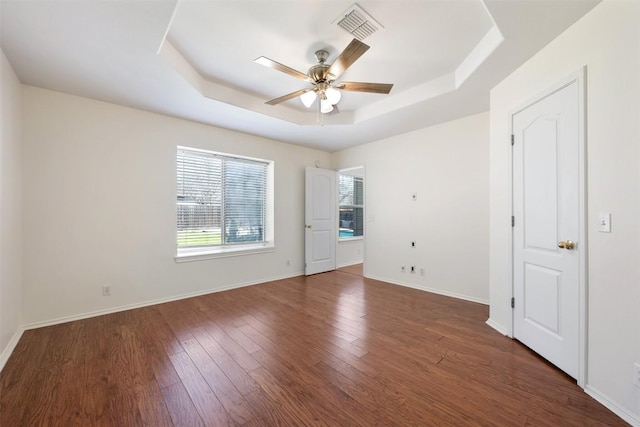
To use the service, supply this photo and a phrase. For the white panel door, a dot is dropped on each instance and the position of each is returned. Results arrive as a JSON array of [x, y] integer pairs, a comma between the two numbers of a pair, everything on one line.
[[546, 208], [320, 220]]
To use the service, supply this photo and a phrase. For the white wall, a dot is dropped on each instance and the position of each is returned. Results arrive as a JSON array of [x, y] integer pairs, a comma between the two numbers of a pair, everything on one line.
[[349, 252], [99, 207], [447, 166], [10, 209], [607, 41]]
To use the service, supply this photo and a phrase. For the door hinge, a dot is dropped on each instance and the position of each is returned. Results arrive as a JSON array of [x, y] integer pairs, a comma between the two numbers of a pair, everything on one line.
[[513, 221], [512, 139], [513, 302]]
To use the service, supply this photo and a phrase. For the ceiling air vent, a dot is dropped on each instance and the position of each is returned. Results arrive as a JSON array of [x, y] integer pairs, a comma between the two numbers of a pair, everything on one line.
[[357, 22]]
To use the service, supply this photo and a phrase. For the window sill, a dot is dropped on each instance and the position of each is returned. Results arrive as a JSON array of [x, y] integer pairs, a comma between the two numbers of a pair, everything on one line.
[[199, 254], [349, 239]]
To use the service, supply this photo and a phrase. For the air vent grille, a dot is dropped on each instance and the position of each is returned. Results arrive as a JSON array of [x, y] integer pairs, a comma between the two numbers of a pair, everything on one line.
[[358, 23]]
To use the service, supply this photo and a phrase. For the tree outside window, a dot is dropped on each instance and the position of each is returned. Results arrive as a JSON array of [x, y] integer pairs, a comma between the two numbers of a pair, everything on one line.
[[221, 200]]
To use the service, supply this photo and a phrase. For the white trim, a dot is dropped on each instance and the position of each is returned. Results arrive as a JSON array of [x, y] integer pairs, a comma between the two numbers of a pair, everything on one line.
[[497, 327], [13, 342], [608, 403], [349, 239], [96, 313], [431, 290], [348, 265], [582, 194], [166, 31], [508, 222], [200, 254], [580, 78]]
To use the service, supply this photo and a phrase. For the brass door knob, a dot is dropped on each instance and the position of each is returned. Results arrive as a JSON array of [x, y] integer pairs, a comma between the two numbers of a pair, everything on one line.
[[308, 226], [569, 245]]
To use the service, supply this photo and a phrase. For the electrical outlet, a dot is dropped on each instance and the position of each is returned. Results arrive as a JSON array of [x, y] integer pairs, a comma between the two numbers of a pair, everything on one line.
[[636, 374], [413, 269], [422, 271], [106, 290], [414, 197], [413, 244], [403, 269]]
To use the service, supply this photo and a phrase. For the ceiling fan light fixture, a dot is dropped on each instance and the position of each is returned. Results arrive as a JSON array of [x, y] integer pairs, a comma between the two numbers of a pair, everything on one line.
[[325, 106], [333, 95], [307, 98]]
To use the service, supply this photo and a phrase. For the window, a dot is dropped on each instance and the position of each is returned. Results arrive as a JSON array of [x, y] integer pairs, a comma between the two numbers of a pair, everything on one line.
[[223, 203], [351, 205]]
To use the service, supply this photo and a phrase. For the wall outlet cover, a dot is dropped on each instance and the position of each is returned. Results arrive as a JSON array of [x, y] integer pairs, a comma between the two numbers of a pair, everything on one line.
[[604, 222]]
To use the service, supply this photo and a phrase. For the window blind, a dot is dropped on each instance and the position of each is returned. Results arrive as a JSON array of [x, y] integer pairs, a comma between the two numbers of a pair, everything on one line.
[[221, 200], [351, 206]]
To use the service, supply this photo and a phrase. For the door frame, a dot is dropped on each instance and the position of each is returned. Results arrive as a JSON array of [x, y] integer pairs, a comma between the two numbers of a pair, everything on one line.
[[364, 211], [580, 78]]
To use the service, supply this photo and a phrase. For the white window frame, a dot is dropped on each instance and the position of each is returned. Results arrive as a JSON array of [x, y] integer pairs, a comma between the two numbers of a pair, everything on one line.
[[185, 254]]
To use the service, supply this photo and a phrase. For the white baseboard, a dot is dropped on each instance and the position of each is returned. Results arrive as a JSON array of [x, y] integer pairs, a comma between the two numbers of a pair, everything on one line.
[[13, 342], [497, 327], [348, 265], [432, 290], [111, 310], [623, 413]]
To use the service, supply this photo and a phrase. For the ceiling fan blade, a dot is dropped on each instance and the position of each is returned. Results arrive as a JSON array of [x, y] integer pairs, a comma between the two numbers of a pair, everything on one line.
[[384, 88], [263, 60], [287, 97], [349, 55]]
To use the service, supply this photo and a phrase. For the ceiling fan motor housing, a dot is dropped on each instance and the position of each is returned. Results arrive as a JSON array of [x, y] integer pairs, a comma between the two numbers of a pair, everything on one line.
[[319, 74]]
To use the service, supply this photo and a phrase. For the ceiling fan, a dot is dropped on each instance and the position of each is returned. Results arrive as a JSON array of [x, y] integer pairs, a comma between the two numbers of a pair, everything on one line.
[[323, 77]]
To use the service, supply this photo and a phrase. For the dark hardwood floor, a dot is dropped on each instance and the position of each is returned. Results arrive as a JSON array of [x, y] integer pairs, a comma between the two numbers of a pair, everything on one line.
[[332, 349]]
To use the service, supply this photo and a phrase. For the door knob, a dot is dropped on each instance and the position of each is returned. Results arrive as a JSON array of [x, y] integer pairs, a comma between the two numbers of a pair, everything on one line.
[[569, 245], [308, 226]]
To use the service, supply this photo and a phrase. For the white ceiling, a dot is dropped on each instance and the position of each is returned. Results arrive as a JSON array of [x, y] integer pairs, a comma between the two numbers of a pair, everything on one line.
[[194, 59]]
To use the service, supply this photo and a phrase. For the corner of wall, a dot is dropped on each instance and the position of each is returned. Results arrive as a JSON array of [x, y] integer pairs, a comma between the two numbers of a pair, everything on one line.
[[10, 209]]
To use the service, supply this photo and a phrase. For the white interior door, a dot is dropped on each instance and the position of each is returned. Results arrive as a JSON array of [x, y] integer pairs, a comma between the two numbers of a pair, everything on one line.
[[546, 234], [320, 220]]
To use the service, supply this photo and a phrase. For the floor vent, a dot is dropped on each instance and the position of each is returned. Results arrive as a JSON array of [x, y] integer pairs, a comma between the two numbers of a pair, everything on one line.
[[357, 22]]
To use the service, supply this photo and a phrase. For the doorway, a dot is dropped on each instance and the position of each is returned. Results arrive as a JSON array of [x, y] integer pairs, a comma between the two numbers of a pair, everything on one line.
[[351, 217]]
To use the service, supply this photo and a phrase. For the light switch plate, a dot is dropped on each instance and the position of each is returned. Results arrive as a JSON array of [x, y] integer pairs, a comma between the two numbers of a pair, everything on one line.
[[604, 223]]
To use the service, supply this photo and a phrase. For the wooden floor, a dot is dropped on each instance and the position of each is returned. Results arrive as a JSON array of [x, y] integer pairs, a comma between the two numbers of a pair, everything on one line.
[[353, 269], [332, 349]]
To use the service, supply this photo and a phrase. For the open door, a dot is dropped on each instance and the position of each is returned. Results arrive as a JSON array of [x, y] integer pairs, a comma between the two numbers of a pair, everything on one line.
[[320, 220]]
